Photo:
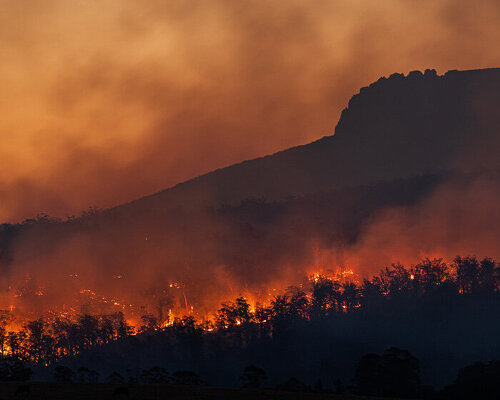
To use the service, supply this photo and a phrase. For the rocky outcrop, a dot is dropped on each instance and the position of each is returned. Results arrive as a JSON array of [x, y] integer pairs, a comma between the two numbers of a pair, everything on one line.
[[397, 127]]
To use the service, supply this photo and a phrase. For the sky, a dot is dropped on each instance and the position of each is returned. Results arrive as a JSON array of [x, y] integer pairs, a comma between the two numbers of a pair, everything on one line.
[[102, 102]]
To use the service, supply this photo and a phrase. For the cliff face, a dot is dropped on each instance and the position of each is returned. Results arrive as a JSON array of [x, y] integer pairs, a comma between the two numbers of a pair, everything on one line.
[[397, 127], [402, 126]]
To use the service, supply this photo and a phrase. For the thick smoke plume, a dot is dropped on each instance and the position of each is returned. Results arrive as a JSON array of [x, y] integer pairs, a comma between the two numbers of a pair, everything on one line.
[[461, 217], [103, 102]]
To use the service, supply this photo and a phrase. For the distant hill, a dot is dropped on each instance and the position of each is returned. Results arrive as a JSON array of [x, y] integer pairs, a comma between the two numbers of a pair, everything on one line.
[[239, 226], [397, 127]]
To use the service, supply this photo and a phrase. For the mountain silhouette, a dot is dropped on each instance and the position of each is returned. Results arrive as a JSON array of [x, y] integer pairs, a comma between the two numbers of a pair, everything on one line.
[[257, 225], [397, 127], [397, 140]]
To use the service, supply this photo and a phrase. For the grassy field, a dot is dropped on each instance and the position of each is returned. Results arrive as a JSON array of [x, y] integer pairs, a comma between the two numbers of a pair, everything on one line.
[[77, 391]]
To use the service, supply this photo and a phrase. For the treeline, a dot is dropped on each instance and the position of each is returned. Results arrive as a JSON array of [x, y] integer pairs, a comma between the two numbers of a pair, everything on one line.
[[328, 296], [50, 339], [394, 374], [445, 313]]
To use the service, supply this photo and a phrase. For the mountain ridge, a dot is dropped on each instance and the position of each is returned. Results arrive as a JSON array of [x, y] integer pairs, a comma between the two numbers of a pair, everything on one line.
[[439, 98]]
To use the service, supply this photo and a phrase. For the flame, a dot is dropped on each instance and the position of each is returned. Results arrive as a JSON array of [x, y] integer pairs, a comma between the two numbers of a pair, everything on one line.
[[167, 304], [174, 302]]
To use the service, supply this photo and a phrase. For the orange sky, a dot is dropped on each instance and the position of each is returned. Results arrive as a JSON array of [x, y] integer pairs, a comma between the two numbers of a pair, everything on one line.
[[105, 101]]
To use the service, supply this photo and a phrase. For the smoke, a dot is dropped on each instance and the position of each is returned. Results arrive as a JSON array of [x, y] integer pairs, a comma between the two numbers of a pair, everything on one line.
[[103, 102], [460, 217]]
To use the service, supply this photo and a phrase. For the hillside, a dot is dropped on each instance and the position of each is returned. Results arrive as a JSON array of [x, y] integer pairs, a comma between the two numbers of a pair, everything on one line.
[[261, 221], [411, 171], [397, 127]]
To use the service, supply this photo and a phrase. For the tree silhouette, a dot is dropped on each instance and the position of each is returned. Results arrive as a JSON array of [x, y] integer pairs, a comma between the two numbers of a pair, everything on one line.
[[476, 381], [63, 374], [488, 276], [350, 295], [298, 304], [155, 375], [149, 324], [14, 370], [87, 375], [294, 385], [325, 296], [115, 377], [431, 273], [467, 274], [395, 373], [188, 378], [253, 377]]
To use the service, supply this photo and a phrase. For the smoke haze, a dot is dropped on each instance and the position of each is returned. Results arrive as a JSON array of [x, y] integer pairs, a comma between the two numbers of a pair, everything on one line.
[[458, 217], [103, 102]]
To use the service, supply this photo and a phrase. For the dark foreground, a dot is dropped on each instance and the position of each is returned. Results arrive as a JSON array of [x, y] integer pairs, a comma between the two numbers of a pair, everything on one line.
[[76, 391]]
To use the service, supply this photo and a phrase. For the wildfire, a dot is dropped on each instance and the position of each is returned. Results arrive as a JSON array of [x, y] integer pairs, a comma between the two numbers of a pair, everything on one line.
[[338, 289], [321, 293], [165, 305], [341, 275]]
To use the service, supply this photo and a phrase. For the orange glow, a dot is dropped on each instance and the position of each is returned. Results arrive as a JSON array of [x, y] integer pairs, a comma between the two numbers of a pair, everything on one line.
[[125, 108]]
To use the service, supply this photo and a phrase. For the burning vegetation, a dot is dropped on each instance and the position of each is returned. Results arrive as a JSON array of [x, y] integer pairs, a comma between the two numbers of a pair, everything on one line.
[[184, 288], [92, 319]]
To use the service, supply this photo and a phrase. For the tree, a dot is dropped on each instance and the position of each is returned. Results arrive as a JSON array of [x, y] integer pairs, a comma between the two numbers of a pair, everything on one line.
[[155, 375], [38, 344], [350, 294], [149, 324], [242, 311], [16, 341], [293, 385], [325, 296], [115, 377], [14, 370], [467, 274], [396, 373], [225, 317], [63, 374], [122, 328], [87, 375], [234, 314], [253, 377], [279, 307], [431, 273], [188, 378], [476, 381], [6, 318], [89, 330], [371, 292], [262, 314], [298, 304], [93, 376], [488, 275], [186, 326], [398, 280]]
